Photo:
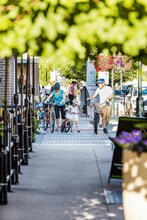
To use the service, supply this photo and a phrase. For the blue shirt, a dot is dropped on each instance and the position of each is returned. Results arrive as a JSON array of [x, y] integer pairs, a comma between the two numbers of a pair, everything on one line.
[[58, 97]]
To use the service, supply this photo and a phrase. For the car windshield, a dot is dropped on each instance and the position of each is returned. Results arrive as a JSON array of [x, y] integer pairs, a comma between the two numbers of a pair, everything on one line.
[[144, 91], [126, 89]]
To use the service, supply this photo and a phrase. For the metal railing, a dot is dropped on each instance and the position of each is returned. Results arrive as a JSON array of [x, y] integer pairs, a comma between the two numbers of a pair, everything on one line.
[[14, 149]]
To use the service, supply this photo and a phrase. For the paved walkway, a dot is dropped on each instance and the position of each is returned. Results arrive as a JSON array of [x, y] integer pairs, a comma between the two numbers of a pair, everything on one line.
[[66, 179]]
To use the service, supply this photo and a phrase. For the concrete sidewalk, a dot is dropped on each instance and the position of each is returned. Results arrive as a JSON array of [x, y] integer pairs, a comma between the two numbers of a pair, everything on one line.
[[66, 179]]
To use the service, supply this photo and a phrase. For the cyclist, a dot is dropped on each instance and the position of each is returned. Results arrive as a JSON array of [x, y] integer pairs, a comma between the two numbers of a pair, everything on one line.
[[105, 95], [59, 97]]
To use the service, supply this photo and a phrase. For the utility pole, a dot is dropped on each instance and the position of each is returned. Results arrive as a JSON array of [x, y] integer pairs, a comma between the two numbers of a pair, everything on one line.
[[112, 86], [139, 100]]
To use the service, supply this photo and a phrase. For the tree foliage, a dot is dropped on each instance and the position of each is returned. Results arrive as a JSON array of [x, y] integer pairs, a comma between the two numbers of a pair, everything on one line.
[[64, 31], [71, 72], [44, 74], [126, 76]]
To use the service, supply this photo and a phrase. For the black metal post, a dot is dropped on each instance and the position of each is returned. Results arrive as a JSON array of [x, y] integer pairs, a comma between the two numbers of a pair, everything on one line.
[[3, 144], [33, 93], [33, 84], [10, 152], [26, 143], [85, 100], [21, 118], [3, 182], [29, 107], [16, 137]]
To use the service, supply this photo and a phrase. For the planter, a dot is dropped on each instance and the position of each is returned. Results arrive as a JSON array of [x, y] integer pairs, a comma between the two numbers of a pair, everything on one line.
[[135, 186]]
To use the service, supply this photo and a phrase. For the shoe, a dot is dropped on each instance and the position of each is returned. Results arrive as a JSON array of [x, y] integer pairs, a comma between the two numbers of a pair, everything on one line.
[[78, 131], [71, 131], [105, 130], [57, 129], [100, 125]]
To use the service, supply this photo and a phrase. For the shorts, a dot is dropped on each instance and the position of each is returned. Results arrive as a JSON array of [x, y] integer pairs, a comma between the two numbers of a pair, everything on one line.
[[105, 112], [57, 111]]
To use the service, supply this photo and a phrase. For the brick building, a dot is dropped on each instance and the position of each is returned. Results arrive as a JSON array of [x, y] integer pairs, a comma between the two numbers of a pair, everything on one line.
[[10, 79], [11, 76]]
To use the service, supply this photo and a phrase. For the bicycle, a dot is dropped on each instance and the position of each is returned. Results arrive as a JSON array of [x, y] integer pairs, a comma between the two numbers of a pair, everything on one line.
[[97, 108], [49, 116], [66, 124], [96, 117]]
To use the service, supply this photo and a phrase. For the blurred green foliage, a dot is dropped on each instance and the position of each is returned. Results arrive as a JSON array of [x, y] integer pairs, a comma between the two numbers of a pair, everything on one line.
[[73, 72], [64, 31], [44, 74]]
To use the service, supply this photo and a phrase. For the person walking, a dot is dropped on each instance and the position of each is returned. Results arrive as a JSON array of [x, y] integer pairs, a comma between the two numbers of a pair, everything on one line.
[[72, 91], [59, 97], [105, 94]]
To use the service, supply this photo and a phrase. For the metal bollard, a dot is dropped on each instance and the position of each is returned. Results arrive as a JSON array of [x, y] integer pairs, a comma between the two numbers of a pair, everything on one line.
[[26, 149], [30, 131], [3, 162], [21, 140]]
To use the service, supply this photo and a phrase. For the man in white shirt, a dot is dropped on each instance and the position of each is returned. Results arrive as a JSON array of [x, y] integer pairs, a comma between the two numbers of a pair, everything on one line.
[[105, 94]]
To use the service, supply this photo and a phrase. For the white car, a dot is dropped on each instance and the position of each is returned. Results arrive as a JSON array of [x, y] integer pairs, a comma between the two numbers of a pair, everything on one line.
[[130, 100]]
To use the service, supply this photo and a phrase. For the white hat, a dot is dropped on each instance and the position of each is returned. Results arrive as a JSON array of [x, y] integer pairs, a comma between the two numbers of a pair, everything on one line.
[[75, 101]]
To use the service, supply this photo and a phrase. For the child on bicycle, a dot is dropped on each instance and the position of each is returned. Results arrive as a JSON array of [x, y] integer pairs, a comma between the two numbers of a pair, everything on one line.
[[74, 110], [40, 112]]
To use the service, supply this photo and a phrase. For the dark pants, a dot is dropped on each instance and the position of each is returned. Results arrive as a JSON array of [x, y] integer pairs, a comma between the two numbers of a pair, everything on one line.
[[57, 111], [71, 97]]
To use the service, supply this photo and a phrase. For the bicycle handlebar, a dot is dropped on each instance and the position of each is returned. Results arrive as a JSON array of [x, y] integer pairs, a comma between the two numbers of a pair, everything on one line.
[[100, 104]]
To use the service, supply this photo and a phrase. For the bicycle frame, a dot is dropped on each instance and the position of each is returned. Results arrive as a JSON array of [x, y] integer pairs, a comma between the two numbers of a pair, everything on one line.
[[48, 112], [96, 114], [49, 117], [66, 124]]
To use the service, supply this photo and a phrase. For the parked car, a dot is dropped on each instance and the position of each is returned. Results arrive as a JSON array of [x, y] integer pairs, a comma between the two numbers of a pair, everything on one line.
[[118, 95], [126, 89], [145, 108], [130, 100]]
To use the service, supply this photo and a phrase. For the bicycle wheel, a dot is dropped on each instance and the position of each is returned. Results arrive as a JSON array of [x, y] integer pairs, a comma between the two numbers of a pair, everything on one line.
[[96, 121], [62, 127], [67, 126], [52, 125], [45, 123]]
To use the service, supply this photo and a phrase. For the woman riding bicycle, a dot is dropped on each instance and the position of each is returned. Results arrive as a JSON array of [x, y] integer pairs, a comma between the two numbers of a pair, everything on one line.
[[59, 102]]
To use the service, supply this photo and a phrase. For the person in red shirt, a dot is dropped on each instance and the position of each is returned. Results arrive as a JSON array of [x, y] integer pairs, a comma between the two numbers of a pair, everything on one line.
[[72, 91]]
